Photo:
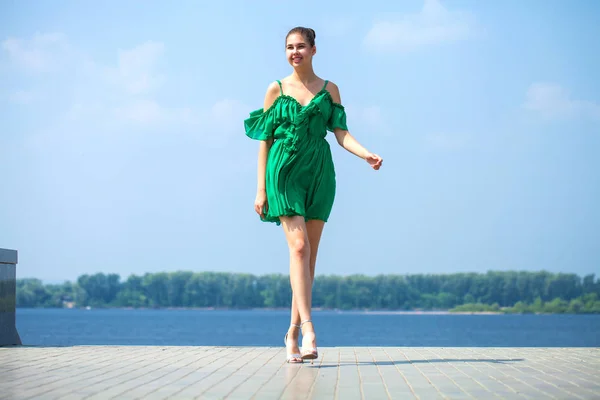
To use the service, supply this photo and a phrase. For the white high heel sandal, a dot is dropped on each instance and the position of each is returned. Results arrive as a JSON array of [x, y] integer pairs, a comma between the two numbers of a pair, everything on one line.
[[308, 353], [293, 358]]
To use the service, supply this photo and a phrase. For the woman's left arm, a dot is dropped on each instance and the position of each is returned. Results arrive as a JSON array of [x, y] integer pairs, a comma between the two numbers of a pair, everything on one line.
[[347, 141]]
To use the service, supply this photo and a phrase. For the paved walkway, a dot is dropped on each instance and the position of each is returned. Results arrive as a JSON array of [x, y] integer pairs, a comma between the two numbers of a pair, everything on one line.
[[157, 372]]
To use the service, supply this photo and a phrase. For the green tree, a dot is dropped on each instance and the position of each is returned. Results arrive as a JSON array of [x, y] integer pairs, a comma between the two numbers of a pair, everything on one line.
[[510, 291]]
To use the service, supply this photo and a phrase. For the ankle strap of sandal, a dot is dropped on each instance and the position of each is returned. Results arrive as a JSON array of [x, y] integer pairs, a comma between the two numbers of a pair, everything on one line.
[[303, 322]]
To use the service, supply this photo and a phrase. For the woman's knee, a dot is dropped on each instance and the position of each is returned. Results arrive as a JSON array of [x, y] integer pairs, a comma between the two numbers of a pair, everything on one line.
[[300, 247]]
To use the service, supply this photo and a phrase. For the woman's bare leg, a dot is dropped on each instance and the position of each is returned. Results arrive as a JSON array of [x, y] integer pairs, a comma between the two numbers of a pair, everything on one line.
[[314, 229], [296, 233]]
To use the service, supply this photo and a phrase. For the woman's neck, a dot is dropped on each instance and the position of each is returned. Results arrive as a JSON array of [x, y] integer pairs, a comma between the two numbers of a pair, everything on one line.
[[305, 76]]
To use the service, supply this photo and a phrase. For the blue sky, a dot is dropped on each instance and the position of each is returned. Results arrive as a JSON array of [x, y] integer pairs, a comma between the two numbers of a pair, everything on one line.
[[122, 146]]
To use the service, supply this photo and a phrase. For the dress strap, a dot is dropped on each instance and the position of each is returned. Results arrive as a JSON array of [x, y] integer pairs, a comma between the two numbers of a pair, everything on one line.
[[280, 87], [325, 85]]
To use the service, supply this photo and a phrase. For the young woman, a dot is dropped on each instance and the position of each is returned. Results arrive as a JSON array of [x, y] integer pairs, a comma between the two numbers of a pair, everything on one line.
[[296, 176]]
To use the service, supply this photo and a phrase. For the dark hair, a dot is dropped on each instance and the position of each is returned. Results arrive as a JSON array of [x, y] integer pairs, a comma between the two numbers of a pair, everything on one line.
[[307, 33]]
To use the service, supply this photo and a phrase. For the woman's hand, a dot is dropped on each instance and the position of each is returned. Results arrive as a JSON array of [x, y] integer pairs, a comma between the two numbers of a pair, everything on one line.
[[260, 204], [374, 161]]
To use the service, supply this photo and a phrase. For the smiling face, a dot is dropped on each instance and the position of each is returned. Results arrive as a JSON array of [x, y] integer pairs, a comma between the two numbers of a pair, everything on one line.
[[298, 50]]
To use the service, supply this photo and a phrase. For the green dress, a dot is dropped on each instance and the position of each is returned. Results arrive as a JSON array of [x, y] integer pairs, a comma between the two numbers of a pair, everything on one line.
[[300, 176]]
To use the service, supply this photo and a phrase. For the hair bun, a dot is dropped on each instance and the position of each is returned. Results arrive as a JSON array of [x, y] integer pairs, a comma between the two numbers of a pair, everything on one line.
[[309, 34]]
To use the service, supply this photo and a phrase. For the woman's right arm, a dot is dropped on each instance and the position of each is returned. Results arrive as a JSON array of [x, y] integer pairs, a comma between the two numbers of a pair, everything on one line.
[[263, 152]]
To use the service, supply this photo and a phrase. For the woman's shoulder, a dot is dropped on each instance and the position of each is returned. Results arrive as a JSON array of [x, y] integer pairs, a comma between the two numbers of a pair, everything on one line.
[[273, 92], [273, 89], [334, 91]]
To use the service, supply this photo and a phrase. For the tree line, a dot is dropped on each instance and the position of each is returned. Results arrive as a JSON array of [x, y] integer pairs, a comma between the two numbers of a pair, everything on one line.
[[497, 291]]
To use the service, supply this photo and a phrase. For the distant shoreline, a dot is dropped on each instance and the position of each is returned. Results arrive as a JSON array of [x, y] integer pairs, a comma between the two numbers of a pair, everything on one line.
[[492, 293], [351, 311]]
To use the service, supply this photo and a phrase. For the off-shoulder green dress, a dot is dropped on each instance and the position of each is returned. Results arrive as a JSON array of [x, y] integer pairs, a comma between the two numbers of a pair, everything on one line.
[[300, 176]]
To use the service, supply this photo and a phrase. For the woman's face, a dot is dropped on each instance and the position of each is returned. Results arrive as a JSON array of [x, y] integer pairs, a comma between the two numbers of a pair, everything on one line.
[[298, 51]]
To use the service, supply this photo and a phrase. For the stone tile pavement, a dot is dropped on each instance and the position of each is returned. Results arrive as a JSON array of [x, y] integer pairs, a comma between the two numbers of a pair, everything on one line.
[[159, 372]]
